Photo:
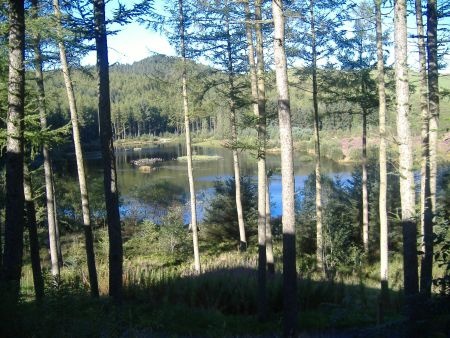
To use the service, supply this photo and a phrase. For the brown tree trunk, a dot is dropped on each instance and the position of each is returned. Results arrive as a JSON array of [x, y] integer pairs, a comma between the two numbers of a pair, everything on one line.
[[287, 174], [14, 206], [89, 241], [405, 156], [188, 141], [109, 165], [38, 281], [384, 258]]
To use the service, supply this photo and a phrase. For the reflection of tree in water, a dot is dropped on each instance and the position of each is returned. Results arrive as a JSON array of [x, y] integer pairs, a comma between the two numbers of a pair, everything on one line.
[[158, 196]]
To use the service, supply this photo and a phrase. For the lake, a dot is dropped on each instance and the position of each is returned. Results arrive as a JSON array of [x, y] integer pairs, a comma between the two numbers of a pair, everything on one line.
[[146, 195]]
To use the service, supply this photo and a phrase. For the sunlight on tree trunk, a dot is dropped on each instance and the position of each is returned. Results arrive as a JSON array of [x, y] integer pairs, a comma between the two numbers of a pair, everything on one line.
[[49, 189], [269, 240], [234, 136], [262, 255], [431, 169], [319, 224], [365, 194], [407, 194], [384, 231], [188, 142], [89, 241], [14, 206], [287, 174]]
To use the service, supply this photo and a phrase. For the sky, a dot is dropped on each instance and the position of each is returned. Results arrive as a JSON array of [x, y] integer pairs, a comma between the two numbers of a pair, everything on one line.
[[133, 42]]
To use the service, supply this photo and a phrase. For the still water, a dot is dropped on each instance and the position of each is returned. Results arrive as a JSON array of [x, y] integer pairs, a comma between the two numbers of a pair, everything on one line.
[[148, 194]]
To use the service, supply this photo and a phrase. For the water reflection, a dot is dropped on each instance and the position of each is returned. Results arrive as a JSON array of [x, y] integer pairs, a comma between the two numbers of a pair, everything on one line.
[[148, 194]]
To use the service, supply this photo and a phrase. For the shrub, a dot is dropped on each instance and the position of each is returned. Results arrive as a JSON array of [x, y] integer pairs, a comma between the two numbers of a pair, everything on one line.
[[220, 222]]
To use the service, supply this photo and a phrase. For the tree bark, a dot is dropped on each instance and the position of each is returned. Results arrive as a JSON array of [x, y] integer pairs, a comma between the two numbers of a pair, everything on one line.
[[262, 248], [51, 210], [262, 133], [423, 91], [38, 281], [433, 101], [405, 155], [384, 231], [57, 233], [269, 241], [194, 228], [365, 194], [236, 165], [287, 173], [319, 223], [14, 206], [89, 241], [109, 165]]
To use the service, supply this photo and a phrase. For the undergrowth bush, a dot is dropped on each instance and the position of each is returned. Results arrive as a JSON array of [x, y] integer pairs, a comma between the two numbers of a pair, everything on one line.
[[220, 222]]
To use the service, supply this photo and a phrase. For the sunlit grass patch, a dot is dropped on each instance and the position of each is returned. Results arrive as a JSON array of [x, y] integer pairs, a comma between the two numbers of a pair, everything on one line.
[[199, 158]]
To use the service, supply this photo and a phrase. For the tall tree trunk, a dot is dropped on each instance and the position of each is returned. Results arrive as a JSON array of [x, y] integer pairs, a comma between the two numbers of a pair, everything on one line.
[[262, 257], [405, 156], [423, 90], [89, 241], [262, 134], [433, 93], [433, 100], [319, 223], [236, 166], [365, 194], [384, 258], [51, 210], [32, 230], [14, 218], [109, 164], [287, 174], [188, 140]]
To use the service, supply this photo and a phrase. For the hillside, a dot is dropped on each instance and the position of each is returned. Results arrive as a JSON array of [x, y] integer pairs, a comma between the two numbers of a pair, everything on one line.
[[145, 99]]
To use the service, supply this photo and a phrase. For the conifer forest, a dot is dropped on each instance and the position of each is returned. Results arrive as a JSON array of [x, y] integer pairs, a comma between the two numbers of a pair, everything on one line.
[[282, 171]]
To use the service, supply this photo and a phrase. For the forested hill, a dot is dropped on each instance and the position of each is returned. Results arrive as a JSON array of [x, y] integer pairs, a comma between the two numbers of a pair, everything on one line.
[[162, 65], [145, 99]]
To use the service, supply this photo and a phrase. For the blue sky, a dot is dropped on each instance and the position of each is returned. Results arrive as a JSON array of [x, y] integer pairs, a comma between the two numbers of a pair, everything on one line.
[[133, 42]]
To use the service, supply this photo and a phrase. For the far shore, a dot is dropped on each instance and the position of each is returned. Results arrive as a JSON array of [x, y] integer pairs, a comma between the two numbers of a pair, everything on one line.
[[343, 150]]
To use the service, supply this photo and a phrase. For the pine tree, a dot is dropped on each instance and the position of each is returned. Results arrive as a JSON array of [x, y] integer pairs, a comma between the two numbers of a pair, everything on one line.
[[14, 218]]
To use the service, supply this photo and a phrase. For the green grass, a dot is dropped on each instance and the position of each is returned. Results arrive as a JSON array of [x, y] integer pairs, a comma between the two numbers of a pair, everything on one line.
[[163, 300]]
